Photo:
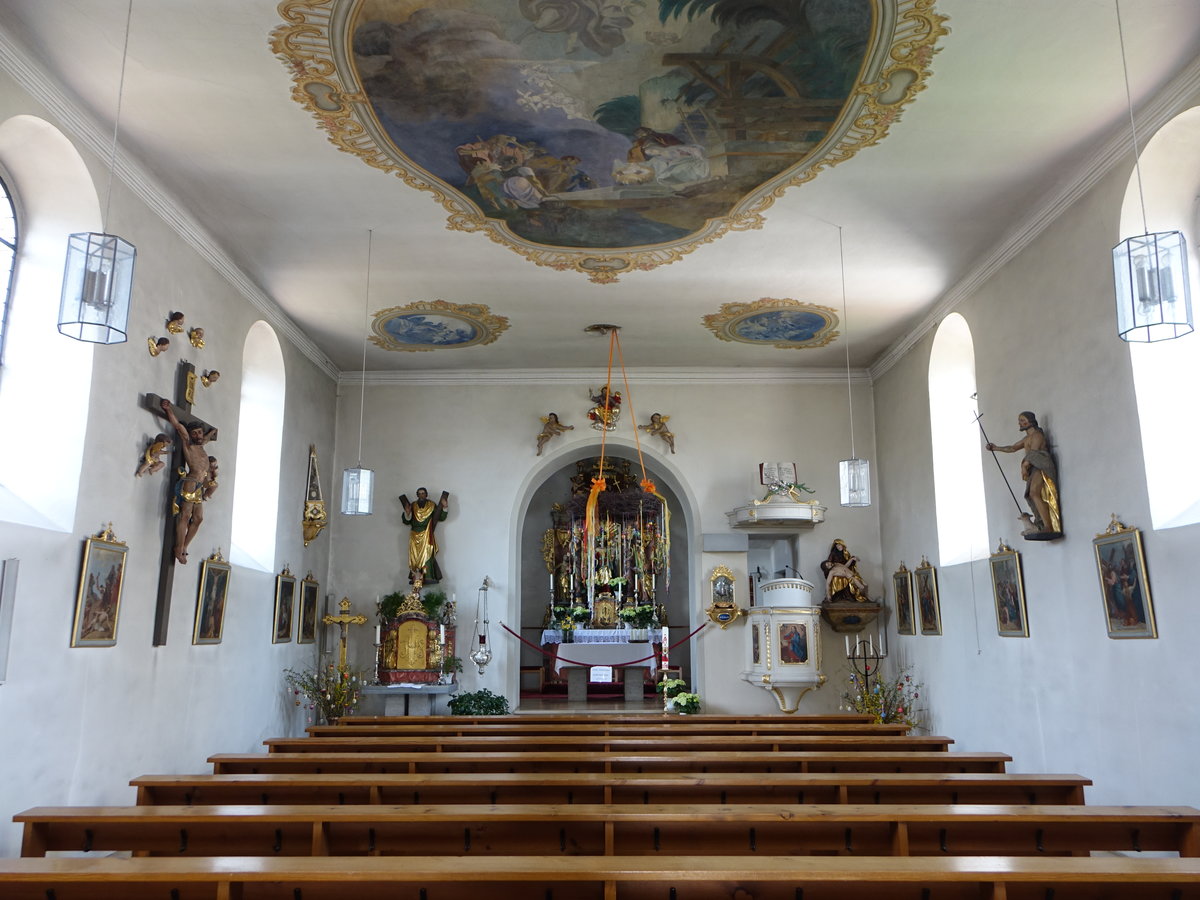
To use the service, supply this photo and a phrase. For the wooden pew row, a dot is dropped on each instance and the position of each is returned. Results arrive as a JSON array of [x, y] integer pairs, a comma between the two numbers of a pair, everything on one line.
[[673, 726], [654, 761], [589, 830], [603, 878], [608, 719], [560, 787], [484, 744]]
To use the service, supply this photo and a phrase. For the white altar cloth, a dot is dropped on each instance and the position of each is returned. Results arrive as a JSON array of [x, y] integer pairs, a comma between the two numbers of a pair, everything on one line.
[[605, 655], [588, 636]]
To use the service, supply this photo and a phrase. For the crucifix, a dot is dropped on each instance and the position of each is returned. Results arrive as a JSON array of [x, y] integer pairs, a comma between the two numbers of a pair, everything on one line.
[[344, 620], [185, 492]]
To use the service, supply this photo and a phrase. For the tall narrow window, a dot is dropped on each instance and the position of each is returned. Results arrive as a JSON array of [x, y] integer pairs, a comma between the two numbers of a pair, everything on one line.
[[45, 382], [1165, 374], [8, 257], [259, 444], [957, 453]]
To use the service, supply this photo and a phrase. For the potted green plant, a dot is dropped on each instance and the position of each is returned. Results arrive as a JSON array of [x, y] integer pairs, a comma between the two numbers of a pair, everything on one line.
[[671, 687], [450, 665], [478, 703], [432, 602], [686, 704], [640, 615], [389, 606], [580, 614]]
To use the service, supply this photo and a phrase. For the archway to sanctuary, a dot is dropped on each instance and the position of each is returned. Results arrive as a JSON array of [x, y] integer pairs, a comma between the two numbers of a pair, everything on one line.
[[550, 485]]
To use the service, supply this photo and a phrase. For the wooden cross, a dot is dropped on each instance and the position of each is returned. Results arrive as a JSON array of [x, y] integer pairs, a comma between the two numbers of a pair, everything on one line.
[[344, 620], [185, 390]]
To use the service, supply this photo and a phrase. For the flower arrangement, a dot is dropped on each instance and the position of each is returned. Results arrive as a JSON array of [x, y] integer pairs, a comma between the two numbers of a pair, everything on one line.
[[333, 690], [887, 700], [637, 616], [671, 687], [580, 614], [687, 703]]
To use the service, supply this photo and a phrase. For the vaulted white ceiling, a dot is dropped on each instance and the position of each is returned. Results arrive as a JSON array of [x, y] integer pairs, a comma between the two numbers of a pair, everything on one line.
[[1025, 104]]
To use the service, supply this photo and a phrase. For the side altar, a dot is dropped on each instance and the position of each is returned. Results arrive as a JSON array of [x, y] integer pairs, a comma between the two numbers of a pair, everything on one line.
[[415, 640]]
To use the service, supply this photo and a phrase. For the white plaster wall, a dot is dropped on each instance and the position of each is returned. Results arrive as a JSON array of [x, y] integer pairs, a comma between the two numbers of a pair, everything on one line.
[[1067, 699], [478, 443], [79, 723]]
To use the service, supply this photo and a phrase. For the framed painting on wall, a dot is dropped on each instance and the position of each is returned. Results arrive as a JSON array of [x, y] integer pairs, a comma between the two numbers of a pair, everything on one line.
[[285, 596], [210, 600], [1008, 592], [98, 601], [793, 643], [1124, 587], [927, 598], [902, 584], [307, 628]]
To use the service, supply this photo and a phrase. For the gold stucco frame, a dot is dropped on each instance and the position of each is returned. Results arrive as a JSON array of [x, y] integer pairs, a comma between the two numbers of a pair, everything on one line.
[[313, 45]]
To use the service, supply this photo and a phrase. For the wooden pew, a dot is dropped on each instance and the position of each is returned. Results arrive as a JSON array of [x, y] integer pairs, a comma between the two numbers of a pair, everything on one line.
[[653, 761], [608, 718], [659, 726], [484, 744], [590, 830], [602, 878], [562, 787]]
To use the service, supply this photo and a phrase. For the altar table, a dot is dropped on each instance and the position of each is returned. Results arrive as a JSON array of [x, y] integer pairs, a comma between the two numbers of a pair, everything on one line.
[[579, 658], [402, 699]]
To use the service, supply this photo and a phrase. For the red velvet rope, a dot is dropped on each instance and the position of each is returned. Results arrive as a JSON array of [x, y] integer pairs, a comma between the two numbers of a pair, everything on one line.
[[576, 662]]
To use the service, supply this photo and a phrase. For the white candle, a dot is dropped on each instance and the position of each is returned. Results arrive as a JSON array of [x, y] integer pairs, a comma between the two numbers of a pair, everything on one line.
[[442, 635], [846, 638], [378, 634]]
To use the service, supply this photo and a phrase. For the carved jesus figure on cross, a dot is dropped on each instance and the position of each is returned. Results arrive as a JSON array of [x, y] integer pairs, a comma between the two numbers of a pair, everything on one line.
[[190, 490], [344, 620]]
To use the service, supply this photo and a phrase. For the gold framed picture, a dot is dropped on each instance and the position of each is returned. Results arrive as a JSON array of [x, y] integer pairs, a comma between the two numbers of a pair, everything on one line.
[[1124, 587], [902, 585], [98, 601], [210, 600], [306, 630], [1008, 592], [925, 576], [285, 597]]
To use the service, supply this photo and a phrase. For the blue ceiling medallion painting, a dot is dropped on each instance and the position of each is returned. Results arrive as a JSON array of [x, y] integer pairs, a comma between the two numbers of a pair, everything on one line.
[[786, 324], [606, 136], [436, 325]]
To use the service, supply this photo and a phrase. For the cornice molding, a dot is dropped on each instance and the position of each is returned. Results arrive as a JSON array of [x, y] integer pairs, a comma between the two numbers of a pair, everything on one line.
[[647, 376], [17, 63], [1157, 112]]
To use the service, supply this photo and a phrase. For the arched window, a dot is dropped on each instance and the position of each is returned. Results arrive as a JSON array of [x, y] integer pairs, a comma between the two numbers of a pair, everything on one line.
[[957, 453], [45, 382], [8, 257], [259, 444], [1166, 373]]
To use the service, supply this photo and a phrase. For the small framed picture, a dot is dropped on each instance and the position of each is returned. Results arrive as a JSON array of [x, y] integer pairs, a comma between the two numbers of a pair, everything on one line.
[[98, 602], [902, 584], [285, 596], [1008, 592], [1124, 587], [210, 601], [925, 576], [307, 629], [793, 643]]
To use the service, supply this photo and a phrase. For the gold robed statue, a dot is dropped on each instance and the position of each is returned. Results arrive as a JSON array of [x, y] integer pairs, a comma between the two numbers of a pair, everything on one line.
[[422, 516], [843, 584]]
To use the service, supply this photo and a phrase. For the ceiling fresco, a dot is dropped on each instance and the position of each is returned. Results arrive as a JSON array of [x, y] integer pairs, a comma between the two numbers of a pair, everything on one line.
[[606, 136], [436, 325], [784, 323]]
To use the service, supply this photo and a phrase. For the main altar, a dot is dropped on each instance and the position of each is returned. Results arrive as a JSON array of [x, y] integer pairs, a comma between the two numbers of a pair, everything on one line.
[[607, 555]]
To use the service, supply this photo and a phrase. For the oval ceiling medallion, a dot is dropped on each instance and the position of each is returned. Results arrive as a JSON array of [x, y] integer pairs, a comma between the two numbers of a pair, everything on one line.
[[436, 325], [786, 324], [606, 136]]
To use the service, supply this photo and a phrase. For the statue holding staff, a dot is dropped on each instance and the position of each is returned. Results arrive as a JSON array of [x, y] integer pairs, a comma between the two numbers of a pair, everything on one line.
[[422, 516]]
